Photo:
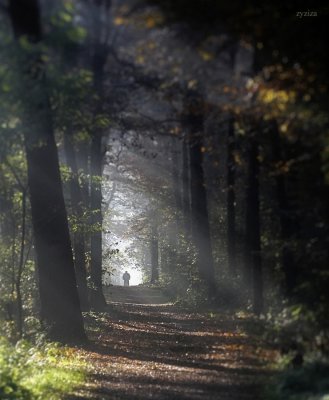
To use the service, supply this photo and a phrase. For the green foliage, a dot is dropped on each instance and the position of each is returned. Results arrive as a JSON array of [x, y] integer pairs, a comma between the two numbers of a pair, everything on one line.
[[296, 329], [65, 34], [298, 334], [179, 273], [308, 383], [38, 373]]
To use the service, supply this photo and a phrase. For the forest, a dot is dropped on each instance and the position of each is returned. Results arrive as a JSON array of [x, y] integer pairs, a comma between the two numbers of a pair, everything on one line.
[[164, 200]]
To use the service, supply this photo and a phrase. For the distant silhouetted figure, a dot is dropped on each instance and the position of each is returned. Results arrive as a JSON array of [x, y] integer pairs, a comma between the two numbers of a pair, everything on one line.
[[126, 278]]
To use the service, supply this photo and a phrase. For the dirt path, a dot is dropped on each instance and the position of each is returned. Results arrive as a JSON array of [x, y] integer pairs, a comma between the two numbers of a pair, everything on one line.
[[147, 349], [135, 295]]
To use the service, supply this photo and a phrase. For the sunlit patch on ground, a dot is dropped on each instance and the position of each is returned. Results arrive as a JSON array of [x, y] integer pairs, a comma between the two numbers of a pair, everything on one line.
[[161, 352]]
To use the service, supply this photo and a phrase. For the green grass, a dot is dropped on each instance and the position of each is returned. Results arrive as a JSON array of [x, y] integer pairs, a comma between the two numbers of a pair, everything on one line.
[[38, 373]]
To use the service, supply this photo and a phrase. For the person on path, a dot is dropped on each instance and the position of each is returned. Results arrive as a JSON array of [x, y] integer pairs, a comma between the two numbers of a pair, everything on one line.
[[126, 278]]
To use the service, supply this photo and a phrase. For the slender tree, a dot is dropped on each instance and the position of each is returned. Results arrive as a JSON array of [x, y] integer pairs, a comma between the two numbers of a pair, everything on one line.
[[99, 58], [253, 246], [97, 297], [77, 210], [154, 249], [176, 177], [288, 223], [186, 197], [231, 240]]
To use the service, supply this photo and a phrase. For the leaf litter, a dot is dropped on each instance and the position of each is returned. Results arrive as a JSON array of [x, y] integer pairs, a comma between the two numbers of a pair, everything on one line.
[[160, 351]]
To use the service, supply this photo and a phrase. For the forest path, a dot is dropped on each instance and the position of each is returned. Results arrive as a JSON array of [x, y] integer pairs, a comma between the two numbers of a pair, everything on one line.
[[135, 295], [158, 351]]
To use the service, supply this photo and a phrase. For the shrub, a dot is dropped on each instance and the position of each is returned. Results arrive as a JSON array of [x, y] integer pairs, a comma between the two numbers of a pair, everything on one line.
[[35, 373], [308, 383]]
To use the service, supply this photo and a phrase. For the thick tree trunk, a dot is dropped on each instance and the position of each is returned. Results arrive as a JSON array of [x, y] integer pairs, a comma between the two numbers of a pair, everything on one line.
[[231, 240], [60, 306], [253, 245], [59, 299], [77, 211], [199, 205], [154, 252], [200, 219]]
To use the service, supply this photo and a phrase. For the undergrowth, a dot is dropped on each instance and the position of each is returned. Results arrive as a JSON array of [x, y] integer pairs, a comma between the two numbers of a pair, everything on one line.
[[303, 367], [309, 382], [41, 372]]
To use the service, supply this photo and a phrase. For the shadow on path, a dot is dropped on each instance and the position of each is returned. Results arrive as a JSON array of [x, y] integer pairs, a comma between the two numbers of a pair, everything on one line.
[[147, 350]]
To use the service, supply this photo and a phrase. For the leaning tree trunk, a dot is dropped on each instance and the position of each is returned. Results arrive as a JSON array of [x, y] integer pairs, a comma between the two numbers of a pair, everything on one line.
[[253, 246], [59, 299], [77, 211]]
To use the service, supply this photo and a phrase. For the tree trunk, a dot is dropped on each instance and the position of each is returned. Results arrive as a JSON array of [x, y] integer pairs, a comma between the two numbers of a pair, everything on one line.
[[199, 206], [176, 175], [83, 158], [77, 211], [231, 240], [154, 252], [59, 300], [99, 58], [177, 225], [20, 268], [186, 198], [200, 219], [288, 223], [253, 246], [97, 298]]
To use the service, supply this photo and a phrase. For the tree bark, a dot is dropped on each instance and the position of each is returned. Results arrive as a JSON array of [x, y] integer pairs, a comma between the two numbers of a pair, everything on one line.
[[97, 298], [176, 177], [20, 268], [253, 245], [77, 211], [199, 205], [186, 198], [288, 223], [99, 58], [200, 219], [59, 300], [154, 252], [231, 240]]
